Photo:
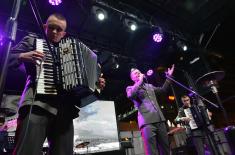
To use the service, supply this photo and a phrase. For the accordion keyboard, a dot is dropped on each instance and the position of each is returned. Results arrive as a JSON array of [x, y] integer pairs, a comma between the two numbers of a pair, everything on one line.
[[45, 79]]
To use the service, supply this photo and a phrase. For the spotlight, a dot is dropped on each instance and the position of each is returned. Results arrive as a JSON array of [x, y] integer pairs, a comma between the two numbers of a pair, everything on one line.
[[114, 60], [131, 24], [116, 66], [55, 2], [182, 46], [158, 35], [185, 48], [100, 13], [1, 40], [100, 16], [171, 98]]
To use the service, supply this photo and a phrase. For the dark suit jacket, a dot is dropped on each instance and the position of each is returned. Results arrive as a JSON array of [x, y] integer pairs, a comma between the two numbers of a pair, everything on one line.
[[145, 101]]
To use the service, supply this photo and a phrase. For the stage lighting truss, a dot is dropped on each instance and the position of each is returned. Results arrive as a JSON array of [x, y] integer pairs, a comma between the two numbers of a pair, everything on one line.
[[129, 19]]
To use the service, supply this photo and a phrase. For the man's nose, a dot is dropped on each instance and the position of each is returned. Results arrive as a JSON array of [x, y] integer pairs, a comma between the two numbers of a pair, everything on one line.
[[54, 31]]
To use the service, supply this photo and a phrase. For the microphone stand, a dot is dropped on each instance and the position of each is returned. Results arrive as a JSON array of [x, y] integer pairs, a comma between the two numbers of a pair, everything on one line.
[[190, 90], [208, 133], [11, 29]]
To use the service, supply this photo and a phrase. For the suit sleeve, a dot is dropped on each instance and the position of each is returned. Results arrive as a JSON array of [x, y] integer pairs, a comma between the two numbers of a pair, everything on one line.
[[25, 45], [131, 91], [164, 87]]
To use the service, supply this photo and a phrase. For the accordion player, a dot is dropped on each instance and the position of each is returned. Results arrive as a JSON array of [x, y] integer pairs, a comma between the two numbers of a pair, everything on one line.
[[74, 74]]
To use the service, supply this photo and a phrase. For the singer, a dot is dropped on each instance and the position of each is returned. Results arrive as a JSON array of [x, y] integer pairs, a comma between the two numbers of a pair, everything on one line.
[[151, 120]]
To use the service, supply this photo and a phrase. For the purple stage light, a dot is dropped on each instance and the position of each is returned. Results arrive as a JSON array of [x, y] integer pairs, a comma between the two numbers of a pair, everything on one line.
[[157, 37], [55, 2], [1, 40]]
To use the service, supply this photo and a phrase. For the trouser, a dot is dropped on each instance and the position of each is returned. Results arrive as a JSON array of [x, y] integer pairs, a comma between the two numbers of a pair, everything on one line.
[[199, 142], [32, 130], [200, 139], [155, 139]]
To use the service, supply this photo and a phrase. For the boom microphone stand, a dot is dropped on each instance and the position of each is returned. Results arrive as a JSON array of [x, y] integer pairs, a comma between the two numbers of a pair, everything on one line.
[[9, 38], [11, 29]]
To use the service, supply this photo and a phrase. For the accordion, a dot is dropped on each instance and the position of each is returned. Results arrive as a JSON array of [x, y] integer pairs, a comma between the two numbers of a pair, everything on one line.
[[75, 72], [198, 115]]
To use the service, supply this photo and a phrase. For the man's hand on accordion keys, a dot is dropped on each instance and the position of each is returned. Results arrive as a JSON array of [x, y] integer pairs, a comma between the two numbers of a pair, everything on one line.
[[32, 56], [185, 119], [101, 83]]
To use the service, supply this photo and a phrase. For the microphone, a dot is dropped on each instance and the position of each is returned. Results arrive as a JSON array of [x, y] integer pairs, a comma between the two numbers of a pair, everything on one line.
[[149, 72]]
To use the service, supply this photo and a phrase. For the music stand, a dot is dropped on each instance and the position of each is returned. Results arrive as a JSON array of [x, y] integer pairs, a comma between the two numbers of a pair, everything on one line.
[[210, 80]]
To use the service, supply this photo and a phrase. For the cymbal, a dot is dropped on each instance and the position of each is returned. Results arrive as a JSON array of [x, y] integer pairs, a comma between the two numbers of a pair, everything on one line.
[[82, 145], [7, 112], [211, 76]]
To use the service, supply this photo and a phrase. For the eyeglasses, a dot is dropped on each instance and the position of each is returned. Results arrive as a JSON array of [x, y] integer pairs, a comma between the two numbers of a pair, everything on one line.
[[185, 100], [55, 27]]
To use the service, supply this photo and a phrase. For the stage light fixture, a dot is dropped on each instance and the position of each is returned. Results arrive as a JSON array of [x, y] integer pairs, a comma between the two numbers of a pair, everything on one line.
[[185, 48], [171, 98], [182, 46], [100, 13], [131, 24], [158, 35], [55, 2], [116, 66], [1, 39], [100, 16], [114, 62]]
